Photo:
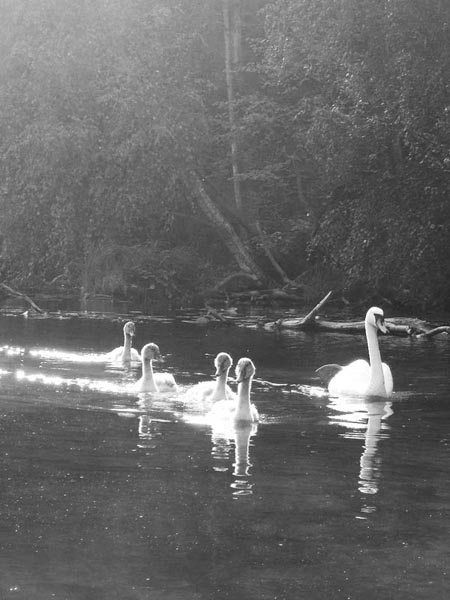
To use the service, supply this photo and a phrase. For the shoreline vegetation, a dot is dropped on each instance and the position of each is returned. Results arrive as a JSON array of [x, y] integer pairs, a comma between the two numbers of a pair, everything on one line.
[[261, 151]]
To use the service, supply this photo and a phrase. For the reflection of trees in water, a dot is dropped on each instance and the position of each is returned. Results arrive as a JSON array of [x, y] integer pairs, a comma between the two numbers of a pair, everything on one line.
[[357, 415], [223, 440]]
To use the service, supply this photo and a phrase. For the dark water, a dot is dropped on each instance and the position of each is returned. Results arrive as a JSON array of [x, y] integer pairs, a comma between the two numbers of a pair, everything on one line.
[[106, 495]]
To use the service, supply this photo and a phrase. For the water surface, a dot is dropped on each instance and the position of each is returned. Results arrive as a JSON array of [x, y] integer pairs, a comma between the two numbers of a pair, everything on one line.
[[109, 495]]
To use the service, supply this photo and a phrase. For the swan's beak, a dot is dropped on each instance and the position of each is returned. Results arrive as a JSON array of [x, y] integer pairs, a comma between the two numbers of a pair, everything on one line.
[[158, 357], [379, 320]]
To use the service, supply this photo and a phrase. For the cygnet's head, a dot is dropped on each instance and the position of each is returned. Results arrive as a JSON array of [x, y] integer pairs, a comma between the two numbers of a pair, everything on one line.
[[129, 328], [222, 362], [245, 369], [150, 352], [375, 318]]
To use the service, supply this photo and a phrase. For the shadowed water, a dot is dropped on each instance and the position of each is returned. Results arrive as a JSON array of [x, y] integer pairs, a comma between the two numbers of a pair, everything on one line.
[[106, 494]]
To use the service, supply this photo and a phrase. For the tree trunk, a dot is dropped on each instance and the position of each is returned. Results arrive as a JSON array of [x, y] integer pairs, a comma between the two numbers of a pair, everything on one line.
[[225, 230], [267, 251], [231, 22]]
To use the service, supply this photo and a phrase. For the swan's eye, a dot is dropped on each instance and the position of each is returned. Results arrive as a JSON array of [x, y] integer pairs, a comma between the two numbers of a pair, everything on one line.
[[379, 319]]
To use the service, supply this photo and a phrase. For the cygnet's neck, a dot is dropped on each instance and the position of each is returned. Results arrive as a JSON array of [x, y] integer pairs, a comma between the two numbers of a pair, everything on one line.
[[126, 352], [376, 383], [147, 376], [243, 410], [220, 386]]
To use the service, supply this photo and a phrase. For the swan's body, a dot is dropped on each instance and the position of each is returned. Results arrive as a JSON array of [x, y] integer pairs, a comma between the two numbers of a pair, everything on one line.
[[239, 410], [125, 353], [362, 378], [150, 381], [214, 391]]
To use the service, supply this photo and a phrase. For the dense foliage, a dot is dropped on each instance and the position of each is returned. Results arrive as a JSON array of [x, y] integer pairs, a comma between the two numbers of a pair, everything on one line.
[[342, 121]]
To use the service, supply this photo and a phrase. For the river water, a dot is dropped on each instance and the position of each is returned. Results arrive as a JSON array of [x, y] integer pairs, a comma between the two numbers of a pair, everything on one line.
[[106, 494]]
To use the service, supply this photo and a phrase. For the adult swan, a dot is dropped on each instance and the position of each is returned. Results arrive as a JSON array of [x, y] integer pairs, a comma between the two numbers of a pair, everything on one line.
[[362, 378]]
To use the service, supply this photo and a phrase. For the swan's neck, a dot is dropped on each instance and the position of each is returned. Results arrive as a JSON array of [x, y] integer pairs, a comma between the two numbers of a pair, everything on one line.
[[147, 376], [220, 386], [243, 410], [126, 352], [376, 383]]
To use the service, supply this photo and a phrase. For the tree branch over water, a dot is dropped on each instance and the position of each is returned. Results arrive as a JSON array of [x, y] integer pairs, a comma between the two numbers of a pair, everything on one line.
[[10, 292]]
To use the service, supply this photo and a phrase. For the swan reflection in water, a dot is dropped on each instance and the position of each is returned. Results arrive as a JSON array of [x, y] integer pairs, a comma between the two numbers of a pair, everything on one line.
[[150, 430], [224, 438], [357, 415]]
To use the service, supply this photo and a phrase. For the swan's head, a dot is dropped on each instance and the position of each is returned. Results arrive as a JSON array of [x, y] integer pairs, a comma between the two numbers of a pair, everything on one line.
[[375, 318], [150, 352], [245, 370], [129, 328], [222, 362]]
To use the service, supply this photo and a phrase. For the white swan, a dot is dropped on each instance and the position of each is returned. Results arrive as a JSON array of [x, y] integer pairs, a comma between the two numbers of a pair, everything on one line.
[[213, 391], [154, 382], [125, 353], [362, 378], [239, 410]]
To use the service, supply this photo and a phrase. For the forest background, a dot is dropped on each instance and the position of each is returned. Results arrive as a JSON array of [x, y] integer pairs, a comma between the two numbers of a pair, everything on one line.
[[164, 148]]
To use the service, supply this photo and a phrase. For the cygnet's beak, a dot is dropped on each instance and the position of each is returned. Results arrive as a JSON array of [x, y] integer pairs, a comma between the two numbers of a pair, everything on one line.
[[156, 356]]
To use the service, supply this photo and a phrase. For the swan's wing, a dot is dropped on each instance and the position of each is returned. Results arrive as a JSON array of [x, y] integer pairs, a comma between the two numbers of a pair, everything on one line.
[[388, 379], [135, 356], [200, 392], [204, 391], [327, 372], [114, 355], [352, 379], [166, 382], [222, 410], [142, 386], [229, 394]]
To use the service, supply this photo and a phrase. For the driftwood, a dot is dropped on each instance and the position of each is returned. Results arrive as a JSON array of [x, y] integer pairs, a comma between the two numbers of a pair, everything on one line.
[[398, 326], [10, 292]]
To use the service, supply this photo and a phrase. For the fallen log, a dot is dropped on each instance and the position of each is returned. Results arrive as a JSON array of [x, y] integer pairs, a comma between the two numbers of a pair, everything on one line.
[[10, 292], [307, 322], [435, 331], [311, 316], [398, 326], [356, 327]]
